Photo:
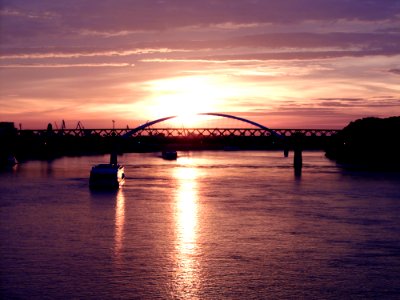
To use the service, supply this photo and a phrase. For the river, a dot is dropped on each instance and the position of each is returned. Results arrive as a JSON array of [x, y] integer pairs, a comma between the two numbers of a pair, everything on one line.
[[210, 225]]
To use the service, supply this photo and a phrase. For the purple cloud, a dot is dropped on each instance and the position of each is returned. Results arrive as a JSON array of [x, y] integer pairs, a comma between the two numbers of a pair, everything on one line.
[[395, 71], [23, 17]]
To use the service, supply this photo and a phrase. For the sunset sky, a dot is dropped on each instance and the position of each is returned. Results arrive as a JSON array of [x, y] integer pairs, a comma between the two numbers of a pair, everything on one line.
[[284, 64]]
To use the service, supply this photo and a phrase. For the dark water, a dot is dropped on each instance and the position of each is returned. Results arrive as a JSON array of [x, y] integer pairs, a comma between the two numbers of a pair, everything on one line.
[[211, 225]]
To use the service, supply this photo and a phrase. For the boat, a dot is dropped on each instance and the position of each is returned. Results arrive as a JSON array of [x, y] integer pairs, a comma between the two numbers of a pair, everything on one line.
[[169, 155], [107, 176]]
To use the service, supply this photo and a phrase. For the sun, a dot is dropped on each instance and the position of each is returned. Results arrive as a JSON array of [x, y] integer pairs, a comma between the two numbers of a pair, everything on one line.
[[184, 97]]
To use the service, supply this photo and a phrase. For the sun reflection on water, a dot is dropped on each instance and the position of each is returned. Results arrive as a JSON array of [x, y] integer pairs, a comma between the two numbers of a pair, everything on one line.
[[186, 222], [119, 223]]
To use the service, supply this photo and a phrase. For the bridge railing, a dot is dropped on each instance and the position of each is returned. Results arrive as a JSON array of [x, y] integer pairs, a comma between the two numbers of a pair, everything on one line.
[[181, 132]]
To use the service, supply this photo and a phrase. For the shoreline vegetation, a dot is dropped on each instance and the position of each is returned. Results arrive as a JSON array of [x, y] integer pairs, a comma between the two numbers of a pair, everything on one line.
[[368, 143]]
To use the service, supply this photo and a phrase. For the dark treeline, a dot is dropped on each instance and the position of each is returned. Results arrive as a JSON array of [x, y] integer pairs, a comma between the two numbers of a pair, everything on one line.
[[368, 143]]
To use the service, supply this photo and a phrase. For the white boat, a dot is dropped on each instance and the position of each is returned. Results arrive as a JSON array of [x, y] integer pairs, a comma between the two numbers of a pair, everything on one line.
[[106, 176]]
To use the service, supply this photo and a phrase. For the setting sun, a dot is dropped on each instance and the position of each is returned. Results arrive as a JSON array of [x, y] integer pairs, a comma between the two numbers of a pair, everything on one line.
[[184, 97]]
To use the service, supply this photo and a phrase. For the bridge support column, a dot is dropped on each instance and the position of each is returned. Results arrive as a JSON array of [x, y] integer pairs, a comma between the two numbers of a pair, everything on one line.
[[114, 148], [113, 157], [298, 161], [286, 152], [298, 154], [285, 149]]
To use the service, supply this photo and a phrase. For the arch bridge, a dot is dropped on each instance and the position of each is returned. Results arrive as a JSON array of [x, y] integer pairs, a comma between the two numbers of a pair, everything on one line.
[[207, 131], [258, 130], [146, 129]]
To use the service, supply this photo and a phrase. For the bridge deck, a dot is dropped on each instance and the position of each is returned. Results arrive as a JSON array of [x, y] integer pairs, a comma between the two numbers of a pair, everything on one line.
[[183, 132]]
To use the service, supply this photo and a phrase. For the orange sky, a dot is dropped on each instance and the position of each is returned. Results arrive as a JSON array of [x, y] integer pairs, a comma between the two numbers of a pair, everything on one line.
[[283, 64]]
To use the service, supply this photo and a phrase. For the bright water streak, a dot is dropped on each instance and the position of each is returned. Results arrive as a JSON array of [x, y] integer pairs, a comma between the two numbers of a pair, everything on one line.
[[211, 225]]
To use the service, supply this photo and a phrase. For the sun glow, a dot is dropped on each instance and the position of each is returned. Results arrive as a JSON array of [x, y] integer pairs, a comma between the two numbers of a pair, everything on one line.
[[184, 97]]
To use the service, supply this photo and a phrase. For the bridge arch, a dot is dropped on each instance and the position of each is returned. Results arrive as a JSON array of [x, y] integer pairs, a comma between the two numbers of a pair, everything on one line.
[[144, 126]]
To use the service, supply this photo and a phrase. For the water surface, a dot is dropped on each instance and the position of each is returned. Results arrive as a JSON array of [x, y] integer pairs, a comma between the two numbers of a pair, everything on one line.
[[211, 225]]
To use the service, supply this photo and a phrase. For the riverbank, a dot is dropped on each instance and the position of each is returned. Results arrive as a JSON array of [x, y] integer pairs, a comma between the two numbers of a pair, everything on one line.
[[369, 143]]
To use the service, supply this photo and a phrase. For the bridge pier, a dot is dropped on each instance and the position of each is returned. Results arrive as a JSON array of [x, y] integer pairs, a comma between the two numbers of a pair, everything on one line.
[[298, 154], [285, 148], [298, 161]]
